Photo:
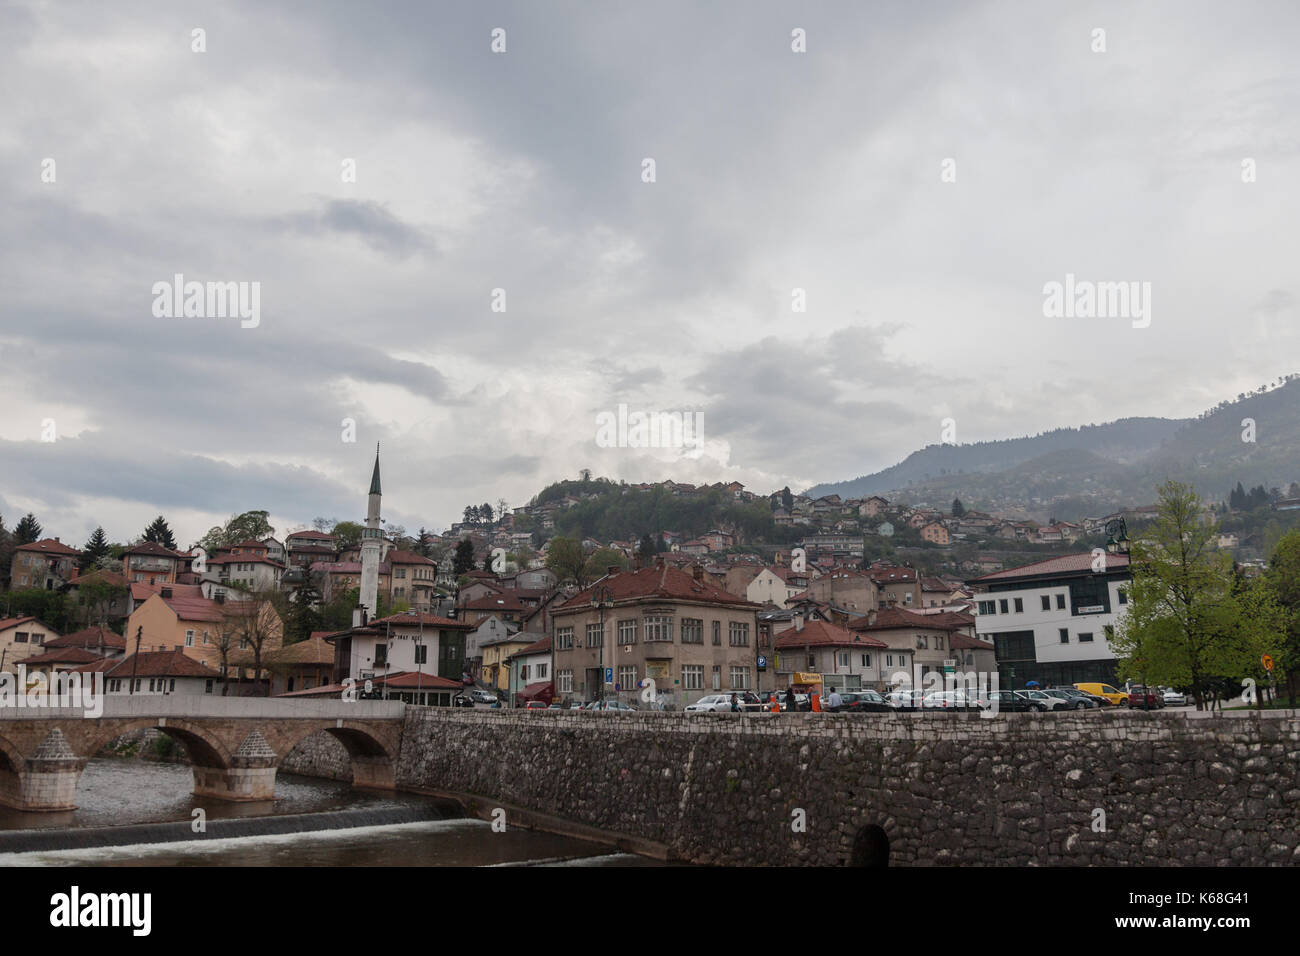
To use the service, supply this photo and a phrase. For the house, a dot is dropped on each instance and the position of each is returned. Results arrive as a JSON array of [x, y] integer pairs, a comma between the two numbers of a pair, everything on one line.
[[300, 666], [180, 618], [847, 660], [896, 585], [22, 637], [774, 585], [495, 654], [531, 676], [155, 672], [658, 623], [101, 641], [935, 533], [305, 548], [151, 563], [60, 660], [921, 647], [412, 579], [1050, 621], [246, 566], [46, 564], [873, 507], [410, 642], [103, 595], [848, 588], [489, 629]]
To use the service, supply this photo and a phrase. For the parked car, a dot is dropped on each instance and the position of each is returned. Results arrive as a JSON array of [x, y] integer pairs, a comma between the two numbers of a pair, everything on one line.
[[609, 704], [462, 700], [1047, 700], [905, 699], [1174, 698], [1148, 699], [1010, 701], [715, 702], [1090, 700], [946, 700], [482, 697], [1105, 691], [1074, 699], [556, 707], [864, 702]]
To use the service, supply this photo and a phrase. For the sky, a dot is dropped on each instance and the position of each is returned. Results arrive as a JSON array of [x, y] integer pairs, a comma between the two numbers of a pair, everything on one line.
[[502, 269]]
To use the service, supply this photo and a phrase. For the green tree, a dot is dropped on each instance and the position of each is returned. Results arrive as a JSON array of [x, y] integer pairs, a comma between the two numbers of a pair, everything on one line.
[[1283, 579], [463, 561], [159, 532], [601, 560], [1189, 620], [958, 509], [96, 548], [251, 525], [28, 530], [347, 534], [566, 558]]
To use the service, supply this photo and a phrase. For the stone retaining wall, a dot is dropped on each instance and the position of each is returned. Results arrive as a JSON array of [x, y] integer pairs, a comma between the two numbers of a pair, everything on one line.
[[319, 755], [1097, 787]]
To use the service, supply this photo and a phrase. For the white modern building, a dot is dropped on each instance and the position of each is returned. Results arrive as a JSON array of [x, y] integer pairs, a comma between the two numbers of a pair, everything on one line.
[[1050, 621]]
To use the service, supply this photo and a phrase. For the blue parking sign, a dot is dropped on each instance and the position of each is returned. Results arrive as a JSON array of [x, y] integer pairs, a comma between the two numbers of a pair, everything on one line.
[[609, 675]]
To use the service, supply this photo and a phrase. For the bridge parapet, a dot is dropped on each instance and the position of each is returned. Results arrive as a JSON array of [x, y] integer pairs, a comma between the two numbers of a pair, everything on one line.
[[194, 705]]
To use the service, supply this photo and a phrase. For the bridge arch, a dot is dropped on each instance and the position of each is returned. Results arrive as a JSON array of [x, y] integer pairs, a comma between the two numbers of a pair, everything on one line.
[[12, 768], [374, 765], [204, 749]]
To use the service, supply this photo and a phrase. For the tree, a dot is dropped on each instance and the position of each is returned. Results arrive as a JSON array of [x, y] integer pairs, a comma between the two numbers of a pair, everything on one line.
[[159, 532], [1189, 621], [303, 613], [463, 561], [1283, 579], [787, 499], [96, 596], [347, 534], [646, 549], [251, 525], [566, 558], [601, 560], [96, 548], [958, 509], [486, 514], [28, 530], [250, 628], [6, 552]]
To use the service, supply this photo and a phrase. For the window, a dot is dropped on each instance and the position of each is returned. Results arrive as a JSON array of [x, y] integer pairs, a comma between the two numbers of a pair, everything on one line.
[[692, 677], [627, 677], [1065, 635], [20, 637], [564, 639], [207, 686], [1060, 602], [1121, 595], [421, 654], [564, 681], [189, 638], [401, 574], [1002, 605], [1047, 602], [1109, 631], [1020, 605], [988, 607], [889, 660], [381, 655], [717, 633], [541, 670], [38, 638], [692, 630], [595, 635], [1085, 638], [739, 634], [866, 660], [938, 642], [205, 638], [658, 628], [523, 673], [627, 632], [844, 659], [740, 678], [717, 677], [921, 643], [172, 688]]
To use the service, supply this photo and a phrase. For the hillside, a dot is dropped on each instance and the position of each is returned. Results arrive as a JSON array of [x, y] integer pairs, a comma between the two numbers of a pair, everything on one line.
[[1094, 469]]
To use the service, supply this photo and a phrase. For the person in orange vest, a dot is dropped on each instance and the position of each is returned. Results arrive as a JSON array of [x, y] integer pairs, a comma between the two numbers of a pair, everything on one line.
[[816, 703]]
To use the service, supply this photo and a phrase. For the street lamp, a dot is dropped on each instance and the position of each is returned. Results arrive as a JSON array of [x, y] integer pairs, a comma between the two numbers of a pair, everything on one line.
[[601, 598], [1117, 536]]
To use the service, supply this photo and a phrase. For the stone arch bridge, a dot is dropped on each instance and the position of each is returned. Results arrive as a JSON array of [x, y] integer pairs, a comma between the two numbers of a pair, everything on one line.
[[235, 743]]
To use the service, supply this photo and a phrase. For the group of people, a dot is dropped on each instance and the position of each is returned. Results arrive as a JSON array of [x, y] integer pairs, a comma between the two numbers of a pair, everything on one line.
[[833, 702]]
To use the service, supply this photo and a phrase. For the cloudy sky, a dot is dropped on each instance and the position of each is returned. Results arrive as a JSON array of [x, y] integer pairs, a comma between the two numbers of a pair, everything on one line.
[[523, 171]]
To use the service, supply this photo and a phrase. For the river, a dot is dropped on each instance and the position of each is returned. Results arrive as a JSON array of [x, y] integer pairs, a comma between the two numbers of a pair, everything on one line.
[[142, 814]]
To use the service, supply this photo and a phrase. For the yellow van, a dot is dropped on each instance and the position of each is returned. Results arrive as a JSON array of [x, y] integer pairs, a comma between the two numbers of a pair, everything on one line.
[[1112, 695]]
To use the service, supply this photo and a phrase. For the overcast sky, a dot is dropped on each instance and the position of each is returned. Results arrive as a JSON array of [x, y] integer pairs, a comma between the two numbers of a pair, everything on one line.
[[522, 171]]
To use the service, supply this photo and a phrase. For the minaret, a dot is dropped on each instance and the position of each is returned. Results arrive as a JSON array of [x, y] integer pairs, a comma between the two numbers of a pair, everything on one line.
[[371, 548]]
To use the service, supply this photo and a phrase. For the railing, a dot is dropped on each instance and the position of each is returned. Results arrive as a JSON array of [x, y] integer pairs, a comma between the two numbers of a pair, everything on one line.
[[194, 705]]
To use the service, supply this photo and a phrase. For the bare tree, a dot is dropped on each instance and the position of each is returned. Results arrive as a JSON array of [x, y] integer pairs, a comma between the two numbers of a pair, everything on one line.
[[256, 625]]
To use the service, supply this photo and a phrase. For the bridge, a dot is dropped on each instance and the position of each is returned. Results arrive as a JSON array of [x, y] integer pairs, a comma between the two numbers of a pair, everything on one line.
[[235, 743]]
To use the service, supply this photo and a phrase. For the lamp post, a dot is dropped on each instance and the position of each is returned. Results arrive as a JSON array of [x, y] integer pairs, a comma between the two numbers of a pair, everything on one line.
[[1117, 536], [601, 598], [135, 658]]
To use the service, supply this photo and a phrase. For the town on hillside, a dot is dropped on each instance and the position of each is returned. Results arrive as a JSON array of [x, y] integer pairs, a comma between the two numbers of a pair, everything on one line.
[[744, 594]]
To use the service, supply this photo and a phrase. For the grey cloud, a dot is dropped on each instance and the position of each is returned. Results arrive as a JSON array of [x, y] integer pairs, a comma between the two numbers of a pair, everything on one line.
[[366, 220]]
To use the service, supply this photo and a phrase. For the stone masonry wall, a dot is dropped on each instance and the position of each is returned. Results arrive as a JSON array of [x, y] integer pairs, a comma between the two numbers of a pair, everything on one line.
[[319, 755], [947, 788]]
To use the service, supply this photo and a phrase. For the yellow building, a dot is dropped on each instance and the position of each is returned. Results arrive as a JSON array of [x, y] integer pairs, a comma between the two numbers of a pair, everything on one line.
[[180, 618], [495, 670]]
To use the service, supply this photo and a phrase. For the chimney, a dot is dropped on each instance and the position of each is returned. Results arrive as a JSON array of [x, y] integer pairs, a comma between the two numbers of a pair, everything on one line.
[[56, 539], [798, 619], [698, 572]]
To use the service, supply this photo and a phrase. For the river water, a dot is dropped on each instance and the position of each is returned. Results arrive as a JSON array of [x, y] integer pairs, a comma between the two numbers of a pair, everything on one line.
[[143, 813]]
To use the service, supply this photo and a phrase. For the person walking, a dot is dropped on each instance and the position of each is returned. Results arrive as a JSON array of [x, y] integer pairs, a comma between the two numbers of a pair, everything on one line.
[[791, 702], [834, 701], [735, 704]]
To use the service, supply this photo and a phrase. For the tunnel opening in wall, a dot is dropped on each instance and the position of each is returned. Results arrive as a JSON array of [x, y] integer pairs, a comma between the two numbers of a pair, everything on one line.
[[870, 847]]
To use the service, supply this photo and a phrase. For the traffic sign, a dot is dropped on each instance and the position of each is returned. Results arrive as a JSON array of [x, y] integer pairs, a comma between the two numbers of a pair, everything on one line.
[[762, 662], [609, 675], [1267, 661]]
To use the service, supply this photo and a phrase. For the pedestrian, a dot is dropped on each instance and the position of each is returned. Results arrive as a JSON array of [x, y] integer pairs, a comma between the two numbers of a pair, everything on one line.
[[835, 701], [791, 702], [735, 704]]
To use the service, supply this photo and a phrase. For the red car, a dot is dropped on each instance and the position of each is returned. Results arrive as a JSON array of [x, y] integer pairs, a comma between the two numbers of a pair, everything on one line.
[[1141, 697]]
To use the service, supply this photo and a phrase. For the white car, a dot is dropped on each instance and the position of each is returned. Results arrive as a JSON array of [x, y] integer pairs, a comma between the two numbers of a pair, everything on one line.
[[1174, 698], [946, 700], [715, 702], [1046, 701]]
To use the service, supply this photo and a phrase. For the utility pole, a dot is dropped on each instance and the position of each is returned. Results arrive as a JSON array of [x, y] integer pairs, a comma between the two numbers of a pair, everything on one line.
[[135, 658]]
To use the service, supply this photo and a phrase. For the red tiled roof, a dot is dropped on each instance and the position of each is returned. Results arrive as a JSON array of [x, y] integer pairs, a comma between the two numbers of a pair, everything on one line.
[[104, 664], [244, 559], [158, 664], [154, 548], [666, 583], [63, 655], [1067, 564], [501, 601], [824, 634], [98, 576], [537, 647], [961, 642], [314, 535], [893, 618], [88, 638], [8, 622], [49, 546], [408, 557], [413, 620]]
